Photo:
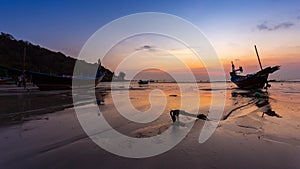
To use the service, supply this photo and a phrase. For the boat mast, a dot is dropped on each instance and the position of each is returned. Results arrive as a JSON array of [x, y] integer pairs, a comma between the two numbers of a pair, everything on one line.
[[24, 55], [258, 57], [267, 84]]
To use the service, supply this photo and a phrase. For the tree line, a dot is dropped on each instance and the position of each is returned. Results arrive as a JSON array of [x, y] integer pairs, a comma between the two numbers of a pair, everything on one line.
[[39, 59]]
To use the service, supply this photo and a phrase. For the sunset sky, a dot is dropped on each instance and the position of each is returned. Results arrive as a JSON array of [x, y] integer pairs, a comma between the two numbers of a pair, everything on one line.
[[232, 27]]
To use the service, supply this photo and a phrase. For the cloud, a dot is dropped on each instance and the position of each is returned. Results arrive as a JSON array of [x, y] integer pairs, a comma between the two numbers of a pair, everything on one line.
[[146, 47], [266, 26], [262, 26]]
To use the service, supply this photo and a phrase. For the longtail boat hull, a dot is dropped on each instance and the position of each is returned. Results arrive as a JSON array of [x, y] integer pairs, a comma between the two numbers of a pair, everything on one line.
[[257, 80], [52, 82]]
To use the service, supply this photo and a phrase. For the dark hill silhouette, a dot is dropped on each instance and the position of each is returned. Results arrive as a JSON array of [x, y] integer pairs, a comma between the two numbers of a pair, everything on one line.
[[39, 59]]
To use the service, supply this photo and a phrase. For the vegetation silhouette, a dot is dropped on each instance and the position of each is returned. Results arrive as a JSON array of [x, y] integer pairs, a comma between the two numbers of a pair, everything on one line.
[[40, 59]]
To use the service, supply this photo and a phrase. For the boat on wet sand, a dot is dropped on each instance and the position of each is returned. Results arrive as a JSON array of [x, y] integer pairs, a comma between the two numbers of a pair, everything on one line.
[[45, 81], [54, 82], [256, 80]]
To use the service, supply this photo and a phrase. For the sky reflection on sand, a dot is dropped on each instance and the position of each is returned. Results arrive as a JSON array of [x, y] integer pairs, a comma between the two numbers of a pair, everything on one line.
[[244, 133]]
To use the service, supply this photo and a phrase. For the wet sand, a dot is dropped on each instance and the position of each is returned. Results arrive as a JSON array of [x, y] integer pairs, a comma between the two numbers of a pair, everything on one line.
[[244, 139]]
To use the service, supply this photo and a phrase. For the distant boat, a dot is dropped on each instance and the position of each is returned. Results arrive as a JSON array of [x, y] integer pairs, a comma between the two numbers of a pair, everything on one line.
[[256, 80], [143, 82]]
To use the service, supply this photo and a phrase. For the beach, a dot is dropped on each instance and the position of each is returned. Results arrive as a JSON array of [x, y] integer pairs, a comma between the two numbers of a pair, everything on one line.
[[40, 129]]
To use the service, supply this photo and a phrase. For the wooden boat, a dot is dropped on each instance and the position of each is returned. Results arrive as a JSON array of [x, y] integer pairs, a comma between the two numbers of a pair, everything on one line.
[[256, 80], [53, 82], [143, 82]]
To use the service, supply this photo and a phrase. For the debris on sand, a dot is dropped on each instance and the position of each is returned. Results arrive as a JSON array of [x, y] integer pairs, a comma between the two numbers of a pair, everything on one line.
[[175, 115], [202, 116]]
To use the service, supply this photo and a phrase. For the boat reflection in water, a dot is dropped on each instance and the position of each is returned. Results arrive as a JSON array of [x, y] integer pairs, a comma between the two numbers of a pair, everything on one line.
[[259, 98]]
